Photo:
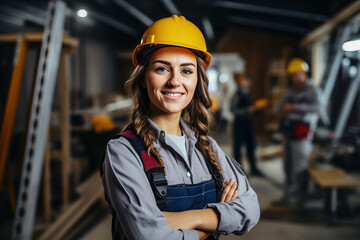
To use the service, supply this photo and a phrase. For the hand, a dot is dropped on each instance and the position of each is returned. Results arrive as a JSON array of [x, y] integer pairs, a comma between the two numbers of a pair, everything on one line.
[[287, 107], [252, 108], [229, 191], [203, 234]]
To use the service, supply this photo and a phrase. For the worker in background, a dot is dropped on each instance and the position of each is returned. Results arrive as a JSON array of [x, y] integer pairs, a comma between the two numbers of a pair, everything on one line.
[[299, 109], [243, 130]]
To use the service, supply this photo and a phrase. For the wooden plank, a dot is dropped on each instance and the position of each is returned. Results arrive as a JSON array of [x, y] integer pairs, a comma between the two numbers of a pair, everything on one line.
[[87, 184], [327, 27], [81, 226], [74, 212], [47, 182], [11, 105], [333, 178], [271, 151], [37, 37]]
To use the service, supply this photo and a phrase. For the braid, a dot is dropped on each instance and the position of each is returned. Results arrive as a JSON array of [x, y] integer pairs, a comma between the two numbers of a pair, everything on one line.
[[200, 125], [141, 110]]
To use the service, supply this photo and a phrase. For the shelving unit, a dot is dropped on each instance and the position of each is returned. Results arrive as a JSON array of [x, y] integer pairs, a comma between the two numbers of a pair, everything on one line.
[[276, 84]]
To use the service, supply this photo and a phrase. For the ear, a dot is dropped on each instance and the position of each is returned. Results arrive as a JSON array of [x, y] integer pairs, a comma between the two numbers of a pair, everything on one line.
[[143, 84]]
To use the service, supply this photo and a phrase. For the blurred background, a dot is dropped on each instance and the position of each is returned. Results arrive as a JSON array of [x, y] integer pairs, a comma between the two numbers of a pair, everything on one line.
[[61, 101]]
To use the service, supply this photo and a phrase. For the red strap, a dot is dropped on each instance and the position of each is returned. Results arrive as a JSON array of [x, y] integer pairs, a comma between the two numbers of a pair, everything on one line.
[[128, 134], [149, 161]]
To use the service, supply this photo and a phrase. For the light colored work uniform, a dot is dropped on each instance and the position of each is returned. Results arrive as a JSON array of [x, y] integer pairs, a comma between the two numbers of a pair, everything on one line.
[[296, 151], [135, 205]]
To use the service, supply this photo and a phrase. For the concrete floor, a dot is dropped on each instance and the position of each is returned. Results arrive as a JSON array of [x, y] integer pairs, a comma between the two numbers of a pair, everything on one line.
[[268, 189]]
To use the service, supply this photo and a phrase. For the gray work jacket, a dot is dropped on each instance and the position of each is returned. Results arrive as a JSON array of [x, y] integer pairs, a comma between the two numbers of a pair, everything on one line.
[[135, 205], [306, 105]]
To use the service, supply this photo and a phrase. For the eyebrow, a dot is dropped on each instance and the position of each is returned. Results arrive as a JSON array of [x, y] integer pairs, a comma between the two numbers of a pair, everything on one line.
[[169, 64]]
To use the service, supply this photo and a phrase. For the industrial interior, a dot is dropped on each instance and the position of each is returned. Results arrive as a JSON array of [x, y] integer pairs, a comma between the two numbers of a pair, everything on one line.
[[62, 98]]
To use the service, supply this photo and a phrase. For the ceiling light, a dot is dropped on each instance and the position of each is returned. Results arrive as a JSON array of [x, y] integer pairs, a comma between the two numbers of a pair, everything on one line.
[[352, 45], [81, 13]]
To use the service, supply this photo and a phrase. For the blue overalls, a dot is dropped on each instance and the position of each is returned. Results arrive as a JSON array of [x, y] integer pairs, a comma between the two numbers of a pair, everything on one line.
[[188, 197], [175, 198]]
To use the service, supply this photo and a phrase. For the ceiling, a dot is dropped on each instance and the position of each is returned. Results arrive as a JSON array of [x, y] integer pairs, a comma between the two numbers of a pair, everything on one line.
[[130, 18]]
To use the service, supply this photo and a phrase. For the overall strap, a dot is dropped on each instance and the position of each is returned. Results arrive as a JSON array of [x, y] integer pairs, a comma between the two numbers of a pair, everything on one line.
[[215, 173], [154, 172], [153, 169]]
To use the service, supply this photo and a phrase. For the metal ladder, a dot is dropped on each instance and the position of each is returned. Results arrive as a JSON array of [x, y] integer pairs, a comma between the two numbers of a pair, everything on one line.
[[39, 121]]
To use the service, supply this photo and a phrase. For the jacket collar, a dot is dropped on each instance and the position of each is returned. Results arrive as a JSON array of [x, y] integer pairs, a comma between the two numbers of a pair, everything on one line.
[[159, 133]]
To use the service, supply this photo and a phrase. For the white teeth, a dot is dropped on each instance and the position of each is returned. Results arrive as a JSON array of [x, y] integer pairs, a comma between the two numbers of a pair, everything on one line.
[[173, 94]]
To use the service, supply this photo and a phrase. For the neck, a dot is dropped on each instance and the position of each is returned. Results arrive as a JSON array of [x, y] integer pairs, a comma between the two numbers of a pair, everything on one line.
[[300, 86], [170, 123]]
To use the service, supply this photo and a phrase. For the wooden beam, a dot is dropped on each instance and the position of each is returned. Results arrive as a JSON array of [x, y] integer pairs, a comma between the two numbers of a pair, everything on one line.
[[73, 213], [37, 37], [331, 24], [91, 181], [333, 177], [47, 181], [11, 104]]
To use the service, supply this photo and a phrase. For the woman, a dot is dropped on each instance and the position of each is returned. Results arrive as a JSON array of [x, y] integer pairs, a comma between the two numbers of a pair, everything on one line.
[[169, 116]]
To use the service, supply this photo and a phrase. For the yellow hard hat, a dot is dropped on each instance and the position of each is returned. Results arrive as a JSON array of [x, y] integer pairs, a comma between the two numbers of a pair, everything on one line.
[[174, 31], [296, 65], [102, 123]]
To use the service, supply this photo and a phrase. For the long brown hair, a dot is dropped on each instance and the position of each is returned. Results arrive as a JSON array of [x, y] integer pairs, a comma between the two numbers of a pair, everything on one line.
[[197, 108]]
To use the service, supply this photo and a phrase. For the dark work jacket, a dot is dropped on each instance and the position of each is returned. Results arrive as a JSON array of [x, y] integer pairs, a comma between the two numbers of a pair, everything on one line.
[[239, 104]]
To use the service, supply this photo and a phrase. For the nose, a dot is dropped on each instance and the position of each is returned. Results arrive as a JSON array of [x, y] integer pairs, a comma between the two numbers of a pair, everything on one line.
[[174, 80]]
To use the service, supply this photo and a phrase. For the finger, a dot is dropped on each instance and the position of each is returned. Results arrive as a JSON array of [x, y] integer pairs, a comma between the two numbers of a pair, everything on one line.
[[235, 194], [226, 183], [230, 195], [231, 192], [226, 190]]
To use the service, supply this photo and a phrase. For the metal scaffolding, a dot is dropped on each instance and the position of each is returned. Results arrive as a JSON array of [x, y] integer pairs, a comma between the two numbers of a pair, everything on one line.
[[39, 121]]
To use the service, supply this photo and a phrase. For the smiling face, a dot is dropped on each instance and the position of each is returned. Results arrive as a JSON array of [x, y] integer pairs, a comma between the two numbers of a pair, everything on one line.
[[171, 79]]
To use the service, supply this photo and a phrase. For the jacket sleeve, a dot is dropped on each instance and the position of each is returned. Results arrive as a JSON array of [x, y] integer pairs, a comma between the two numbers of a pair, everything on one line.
[[280, 103], [132, 198], [242, 213]]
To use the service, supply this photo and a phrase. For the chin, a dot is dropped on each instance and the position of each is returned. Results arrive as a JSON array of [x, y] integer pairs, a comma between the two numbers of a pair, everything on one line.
[[173, 111]]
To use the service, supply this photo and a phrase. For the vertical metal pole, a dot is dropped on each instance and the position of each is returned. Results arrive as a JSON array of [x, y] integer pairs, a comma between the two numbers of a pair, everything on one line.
[[335, 65], [347, 105], [333, 204], [333, 73], [39, 121]]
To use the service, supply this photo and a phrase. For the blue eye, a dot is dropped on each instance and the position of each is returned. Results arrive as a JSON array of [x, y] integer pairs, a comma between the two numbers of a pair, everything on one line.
[[161, 69], [187, 71]]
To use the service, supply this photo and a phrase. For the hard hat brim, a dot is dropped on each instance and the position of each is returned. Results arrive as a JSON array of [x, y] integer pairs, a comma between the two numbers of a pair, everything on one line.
[[207, 56]]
